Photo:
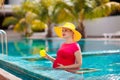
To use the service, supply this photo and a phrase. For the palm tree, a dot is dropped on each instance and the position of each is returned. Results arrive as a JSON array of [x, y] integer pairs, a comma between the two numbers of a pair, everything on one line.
[[26, 18], [55, 11], [90, 9], [45, 13], [58, 11]]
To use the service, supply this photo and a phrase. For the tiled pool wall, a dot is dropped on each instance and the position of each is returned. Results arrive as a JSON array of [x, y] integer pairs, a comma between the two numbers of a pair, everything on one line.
[[23, 69], [17, 70]]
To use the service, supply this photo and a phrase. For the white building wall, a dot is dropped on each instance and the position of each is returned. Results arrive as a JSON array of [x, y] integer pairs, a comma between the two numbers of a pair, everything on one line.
[[99, 26], [14, 2]]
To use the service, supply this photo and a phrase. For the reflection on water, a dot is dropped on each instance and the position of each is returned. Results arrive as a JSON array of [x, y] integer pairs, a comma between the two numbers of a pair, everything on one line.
[[115, 64], [28, 47]]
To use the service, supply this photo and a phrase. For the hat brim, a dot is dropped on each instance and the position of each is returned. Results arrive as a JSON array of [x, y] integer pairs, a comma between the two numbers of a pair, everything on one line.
[[58, 31]]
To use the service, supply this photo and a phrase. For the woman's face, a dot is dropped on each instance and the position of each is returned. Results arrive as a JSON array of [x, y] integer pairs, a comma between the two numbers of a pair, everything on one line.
[[67, 33]]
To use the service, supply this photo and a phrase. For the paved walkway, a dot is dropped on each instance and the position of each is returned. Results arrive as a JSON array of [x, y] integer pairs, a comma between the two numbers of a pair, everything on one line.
[[13, 35], [4, 75], [3, 78]]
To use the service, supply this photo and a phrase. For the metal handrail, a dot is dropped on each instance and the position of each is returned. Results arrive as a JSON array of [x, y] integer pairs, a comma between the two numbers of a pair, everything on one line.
[[4, 39]]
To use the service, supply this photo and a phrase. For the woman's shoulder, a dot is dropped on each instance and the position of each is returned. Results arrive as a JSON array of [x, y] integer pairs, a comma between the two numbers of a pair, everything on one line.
[[74, 44], [77, 46]]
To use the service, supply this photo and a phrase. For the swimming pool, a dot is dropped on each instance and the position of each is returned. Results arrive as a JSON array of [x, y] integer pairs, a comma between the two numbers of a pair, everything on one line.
[[23, 59]]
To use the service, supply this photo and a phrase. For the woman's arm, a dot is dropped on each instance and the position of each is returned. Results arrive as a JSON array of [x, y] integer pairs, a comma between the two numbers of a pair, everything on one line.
[[78, 57], [52, 59]]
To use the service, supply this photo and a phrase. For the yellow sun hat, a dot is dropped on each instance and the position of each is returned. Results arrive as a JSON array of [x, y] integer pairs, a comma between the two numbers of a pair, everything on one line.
[[58, 30]]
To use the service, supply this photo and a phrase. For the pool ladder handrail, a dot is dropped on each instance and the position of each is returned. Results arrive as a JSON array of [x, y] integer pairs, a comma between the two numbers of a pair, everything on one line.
[[4, 41]]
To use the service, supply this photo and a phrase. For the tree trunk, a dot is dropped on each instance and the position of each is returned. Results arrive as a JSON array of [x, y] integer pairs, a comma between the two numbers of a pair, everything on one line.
[[49, 34], [81, 29]]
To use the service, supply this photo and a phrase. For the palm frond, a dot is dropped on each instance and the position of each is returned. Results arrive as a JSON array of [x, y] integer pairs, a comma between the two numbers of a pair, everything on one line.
[[47, 3], [18, 12], [30, 16], [21, 25], [30, 6], [63, 12], [38, 26], [9, 21], [103, 10]]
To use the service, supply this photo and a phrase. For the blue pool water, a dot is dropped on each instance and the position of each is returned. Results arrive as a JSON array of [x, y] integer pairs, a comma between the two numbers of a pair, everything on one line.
[[103, 56]]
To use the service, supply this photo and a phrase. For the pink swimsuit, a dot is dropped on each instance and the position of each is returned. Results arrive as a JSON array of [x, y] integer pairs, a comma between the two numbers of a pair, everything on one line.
[[66, 54]]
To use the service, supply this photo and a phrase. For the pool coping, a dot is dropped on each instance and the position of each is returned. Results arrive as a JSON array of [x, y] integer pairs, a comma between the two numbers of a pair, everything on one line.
[[7, 75], [39, 74], [24, 71]]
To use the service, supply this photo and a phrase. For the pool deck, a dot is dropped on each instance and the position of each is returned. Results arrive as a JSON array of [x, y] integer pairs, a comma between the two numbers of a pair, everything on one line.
[[2, 78], [15, 35], [4, 75]]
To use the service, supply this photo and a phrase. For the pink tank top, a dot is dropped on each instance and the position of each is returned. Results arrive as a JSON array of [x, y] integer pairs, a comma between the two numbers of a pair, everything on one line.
[[66, 54]]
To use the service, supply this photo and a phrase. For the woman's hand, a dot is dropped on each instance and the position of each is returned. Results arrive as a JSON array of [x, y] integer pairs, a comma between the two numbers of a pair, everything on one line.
[[46, 56], [61, 66], [52, 59]]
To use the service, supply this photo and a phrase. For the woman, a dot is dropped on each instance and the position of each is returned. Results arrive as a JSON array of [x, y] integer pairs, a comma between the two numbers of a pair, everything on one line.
[[69, 55]]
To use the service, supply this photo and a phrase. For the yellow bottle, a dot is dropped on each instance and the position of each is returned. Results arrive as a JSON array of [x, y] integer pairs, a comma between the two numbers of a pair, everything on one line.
[[42, 53]]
